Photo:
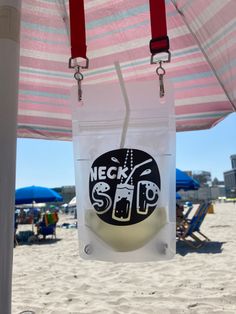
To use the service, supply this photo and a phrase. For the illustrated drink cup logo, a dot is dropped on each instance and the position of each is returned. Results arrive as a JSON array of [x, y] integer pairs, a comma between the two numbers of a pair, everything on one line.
[[123, 202], [124, 186]]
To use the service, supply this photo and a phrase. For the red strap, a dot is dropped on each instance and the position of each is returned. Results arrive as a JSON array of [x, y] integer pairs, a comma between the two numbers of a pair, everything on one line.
[[77, 29], [160, 40]]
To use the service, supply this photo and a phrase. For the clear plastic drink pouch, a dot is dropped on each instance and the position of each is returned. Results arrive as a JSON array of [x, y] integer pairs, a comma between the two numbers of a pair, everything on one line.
[[125, 171]]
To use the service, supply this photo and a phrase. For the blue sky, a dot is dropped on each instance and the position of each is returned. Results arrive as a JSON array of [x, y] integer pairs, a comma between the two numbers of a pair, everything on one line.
[[50, 163]]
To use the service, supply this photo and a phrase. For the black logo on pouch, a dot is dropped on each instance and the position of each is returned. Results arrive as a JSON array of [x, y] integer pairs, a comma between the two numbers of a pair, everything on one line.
[[124, 186]]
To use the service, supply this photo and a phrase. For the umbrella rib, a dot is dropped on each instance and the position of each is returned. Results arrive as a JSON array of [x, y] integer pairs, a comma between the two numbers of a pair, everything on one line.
[[65, 16], [174, 2]]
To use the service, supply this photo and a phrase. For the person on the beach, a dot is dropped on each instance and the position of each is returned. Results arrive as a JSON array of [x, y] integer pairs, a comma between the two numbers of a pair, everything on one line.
[[179, 213], [181, 221], [15, 229], [22, 216]]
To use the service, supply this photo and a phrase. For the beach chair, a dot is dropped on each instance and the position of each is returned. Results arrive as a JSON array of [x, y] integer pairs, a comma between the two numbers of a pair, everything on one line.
[[47, 230], [190, 207], [188, 228], [47, 226]]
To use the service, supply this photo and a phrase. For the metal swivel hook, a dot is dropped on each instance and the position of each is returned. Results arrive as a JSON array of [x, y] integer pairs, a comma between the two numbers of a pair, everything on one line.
[[73, 64], [161, 72], [79, 77]]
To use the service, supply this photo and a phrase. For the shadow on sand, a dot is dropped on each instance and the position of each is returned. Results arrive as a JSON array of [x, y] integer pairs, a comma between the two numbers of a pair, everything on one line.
[[36, 241], [210, 247]]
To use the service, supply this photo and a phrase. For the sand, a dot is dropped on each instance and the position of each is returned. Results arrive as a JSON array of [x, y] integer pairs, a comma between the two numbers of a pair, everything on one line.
[[51, 278]]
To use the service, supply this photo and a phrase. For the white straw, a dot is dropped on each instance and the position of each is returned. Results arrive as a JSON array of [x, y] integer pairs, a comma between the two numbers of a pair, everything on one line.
[[127, 105]]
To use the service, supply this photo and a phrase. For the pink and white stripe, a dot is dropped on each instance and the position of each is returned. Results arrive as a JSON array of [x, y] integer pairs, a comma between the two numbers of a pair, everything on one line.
[[202, 69]]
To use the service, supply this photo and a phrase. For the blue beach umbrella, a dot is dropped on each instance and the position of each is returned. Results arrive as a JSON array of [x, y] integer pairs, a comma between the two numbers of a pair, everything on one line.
[[37, 194], [185, 182]]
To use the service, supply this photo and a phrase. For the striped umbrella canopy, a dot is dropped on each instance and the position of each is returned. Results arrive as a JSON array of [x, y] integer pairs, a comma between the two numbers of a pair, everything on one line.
[[203, 68]]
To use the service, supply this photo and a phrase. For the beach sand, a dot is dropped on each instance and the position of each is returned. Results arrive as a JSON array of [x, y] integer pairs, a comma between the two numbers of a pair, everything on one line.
[[51, 278]]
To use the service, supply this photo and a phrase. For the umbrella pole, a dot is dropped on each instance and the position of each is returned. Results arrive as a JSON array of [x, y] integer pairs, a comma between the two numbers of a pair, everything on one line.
[[32, 222], [9, 71]]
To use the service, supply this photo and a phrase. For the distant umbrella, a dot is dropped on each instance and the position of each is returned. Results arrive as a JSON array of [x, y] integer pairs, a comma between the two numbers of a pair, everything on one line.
[[185, 182], [72, 203], [37, 194]]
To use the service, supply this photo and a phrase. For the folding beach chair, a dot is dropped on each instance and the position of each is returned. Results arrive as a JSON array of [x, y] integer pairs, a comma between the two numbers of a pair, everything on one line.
[[47, 226], [188, 228], [47, 230]]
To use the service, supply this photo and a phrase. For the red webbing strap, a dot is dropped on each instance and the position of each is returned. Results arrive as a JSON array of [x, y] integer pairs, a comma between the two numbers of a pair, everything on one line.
[[160, 41], [77, 29]]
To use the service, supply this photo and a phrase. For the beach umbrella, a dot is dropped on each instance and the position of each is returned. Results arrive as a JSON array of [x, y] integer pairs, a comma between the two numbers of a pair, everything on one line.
[[36, 194], [185, 182], [202, 65], [72, 203]]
